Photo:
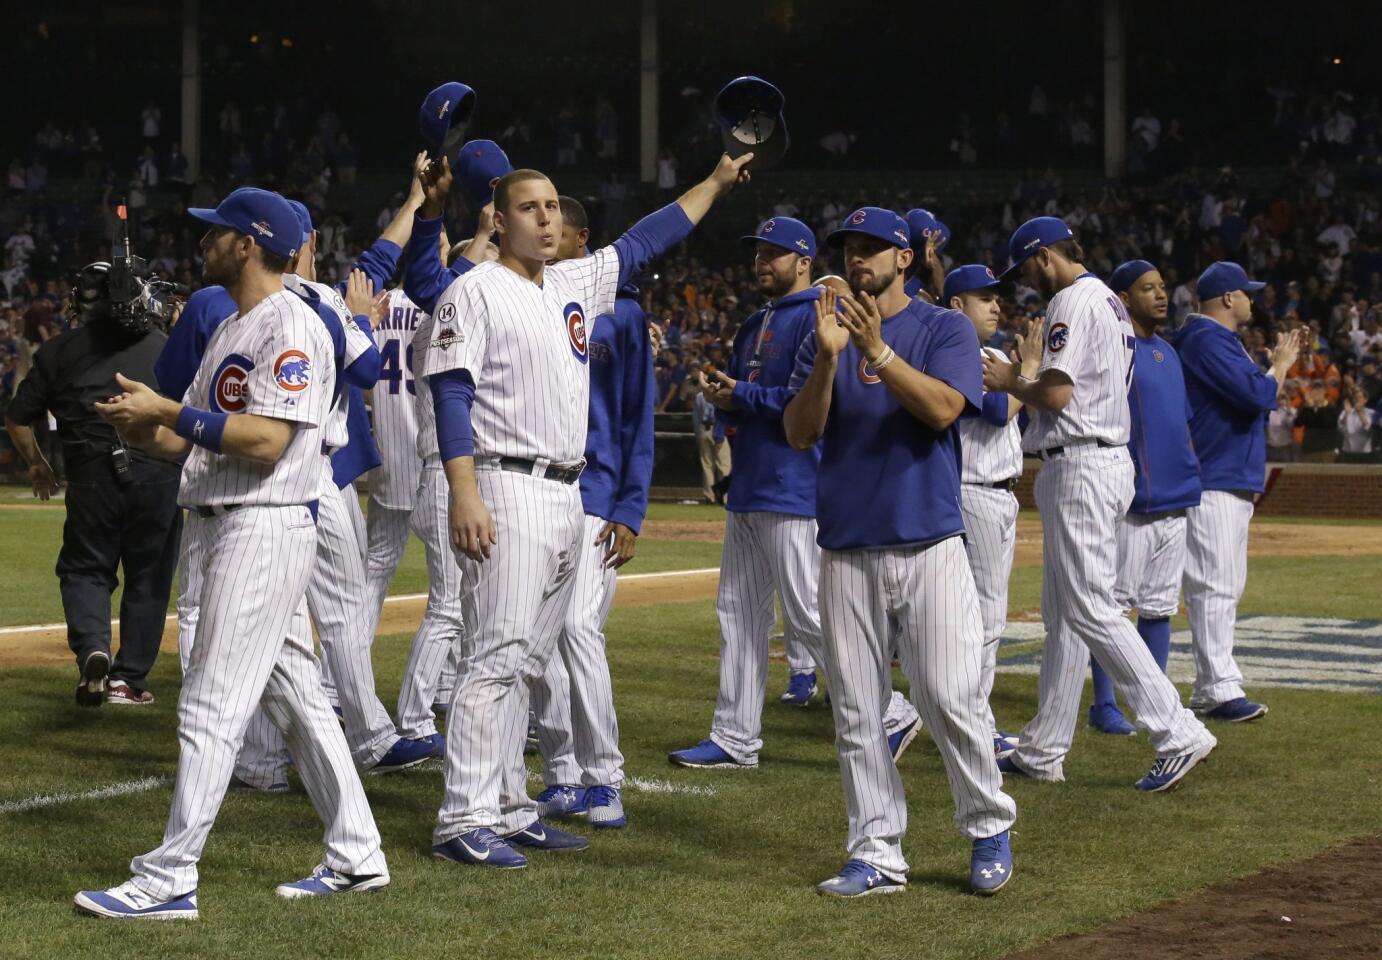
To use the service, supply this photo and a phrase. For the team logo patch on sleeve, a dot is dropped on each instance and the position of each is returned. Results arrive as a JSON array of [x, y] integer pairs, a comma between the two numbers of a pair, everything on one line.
[[575, 331], [293, 371], [446, 337], [229, 386], [1057, 337]]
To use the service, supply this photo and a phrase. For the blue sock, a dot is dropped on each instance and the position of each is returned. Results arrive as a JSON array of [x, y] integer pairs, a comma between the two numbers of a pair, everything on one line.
[[1156, 633], [1103, 684]]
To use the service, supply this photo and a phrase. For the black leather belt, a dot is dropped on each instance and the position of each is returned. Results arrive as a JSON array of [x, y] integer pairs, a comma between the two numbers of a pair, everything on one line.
[[221, 509], [1050, 452], [1009, 484], [553, 472]]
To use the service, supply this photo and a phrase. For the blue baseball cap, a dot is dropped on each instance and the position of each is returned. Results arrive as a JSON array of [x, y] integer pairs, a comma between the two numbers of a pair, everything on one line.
[[479, 164], [972, 276], [787, 233], [748, 111], [304, 219], [920, 222], [1126, 274], [1223, 277], [874, 222], [1027, 239], [262, 215], [444, 115]]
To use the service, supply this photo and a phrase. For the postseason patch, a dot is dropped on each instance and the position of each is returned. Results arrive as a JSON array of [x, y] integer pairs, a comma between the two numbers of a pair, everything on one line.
[[575, 331], [293, 371], [229, 385], [446, 337], [1057, 337]]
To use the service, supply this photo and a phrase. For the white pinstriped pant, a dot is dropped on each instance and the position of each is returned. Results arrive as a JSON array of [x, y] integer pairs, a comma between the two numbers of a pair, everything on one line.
[[430, 671], [514, 605], [990, 516], [253, 649], [922, 599], [766, 553], [799, 659], [1082, 495], [338, 599], [1151, 556], [1216, 571], [578, 732]]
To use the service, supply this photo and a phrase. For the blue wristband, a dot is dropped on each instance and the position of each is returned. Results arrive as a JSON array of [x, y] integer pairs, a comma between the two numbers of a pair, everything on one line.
[[202, 427]]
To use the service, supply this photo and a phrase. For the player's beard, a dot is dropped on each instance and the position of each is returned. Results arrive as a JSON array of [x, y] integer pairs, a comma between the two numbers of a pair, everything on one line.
[[1046, 286], [775, 287], [875, 283]]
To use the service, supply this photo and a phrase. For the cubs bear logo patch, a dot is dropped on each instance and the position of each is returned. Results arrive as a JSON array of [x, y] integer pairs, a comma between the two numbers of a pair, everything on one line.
[[1057, 337], [229, 385], [575, 331], [293, 371], [1158, 356], [865, 375]]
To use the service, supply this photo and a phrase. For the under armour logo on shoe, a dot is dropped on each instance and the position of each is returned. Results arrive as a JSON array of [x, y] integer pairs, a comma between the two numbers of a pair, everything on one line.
[[997, 868]]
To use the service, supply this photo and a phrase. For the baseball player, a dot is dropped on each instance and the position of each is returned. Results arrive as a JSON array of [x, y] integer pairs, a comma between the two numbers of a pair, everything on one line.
[[1229, 402], [770, 523], [573, 699], [926, 273], [893, 568], [507, 364], [1151, 537], [253, 421], [1079, 428], [990, 464]]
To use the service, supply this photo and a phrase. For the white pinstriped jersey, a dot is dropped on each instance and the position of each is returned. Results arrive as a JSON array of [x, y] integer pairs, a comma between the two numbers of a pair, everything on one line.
[[526, 348], [394, 482], [989, 454], [424, 414], [275, 361], [1089, 338], [335, 434]]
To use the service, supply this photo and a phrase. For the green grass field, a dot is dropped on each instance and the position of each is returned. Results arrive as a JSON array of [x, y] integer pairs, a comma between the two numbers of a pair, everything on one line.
[[712, 864]]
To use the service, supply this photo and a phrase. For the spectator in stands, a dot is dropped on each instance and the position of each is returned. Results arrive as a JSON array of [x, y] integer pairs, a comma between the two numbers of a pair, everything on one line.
[[711, 445], [1317, 422], [1281, 441], [1356, 421], [151, 121]]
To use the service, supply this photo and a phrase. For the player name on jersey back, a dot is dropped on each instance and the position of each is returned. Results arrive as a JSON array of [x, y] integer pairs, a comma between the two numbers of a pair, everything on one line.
[[394, 404]]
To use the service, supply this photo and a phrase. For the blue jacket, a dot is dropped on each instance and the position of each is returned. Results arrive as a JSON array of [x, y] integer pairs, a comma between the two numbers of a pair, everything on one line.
[[767, 473], [619, 441], [1229, 402], [1168, 475]]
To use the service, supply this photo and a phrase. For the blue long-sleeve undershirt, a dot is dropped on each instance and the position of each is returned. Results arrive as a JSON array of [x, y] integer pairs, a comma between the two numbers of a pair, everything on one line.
[[453, 391]]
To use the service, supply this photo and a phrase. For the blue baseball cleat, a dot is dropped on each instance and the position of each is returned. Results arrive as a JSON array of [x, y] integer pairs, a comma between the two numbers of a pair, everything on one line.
[[801, 687], [990, 864], [1005, 745], [605, 806], [438, 742], [859, 879], [1107, 718], [561, 800], [708, 755], [324, 881], [128, 902], [900, 741], [1008, 767], [278, 786], [1168, 772], [1237, 710], [541, 836], [482, 848], [403, 754]]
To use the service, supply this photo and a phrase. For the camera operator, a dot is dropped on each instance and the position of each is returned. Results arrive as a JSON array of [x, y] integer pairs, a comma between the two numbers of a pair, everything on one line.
[[121, 502]]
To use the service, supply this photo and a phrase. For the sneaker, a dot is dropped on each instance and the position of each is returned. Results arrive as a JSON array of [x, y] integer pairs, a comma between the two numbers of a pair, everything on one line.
[[1168, 772], [900, 741], [91, 685], [120, 693], [859, 879], [1237, 710], [404, 753], [128, 902], [324, 881], [278, 786], [801, 687], [990, 864], [708, 755], [1107, 718], [1005, 744], [561, 800], [605, 806], [482, 848], [543, 836]]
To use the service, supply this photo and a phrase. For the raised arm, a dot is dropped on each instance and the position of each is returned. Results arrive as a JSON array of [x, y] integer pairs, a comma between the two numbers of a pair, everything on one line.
[[805, 416]]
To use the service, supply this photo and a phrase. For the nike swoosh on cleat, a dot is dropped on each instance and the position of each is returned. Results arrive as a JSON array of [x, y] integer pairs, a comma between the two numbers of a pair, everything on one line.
[[475, 853], [540, 836]]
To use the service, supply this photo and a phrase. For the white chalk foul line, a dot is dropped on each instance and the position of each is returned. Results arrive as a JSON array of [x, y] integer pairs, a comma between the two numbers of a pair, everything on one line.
[[100, 793], [403, 597], [650, 785]]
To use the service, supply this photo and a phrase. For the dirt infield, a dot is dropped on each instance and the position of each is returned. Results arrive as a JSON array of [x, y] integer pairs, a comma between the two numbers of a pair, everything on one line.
[[1325, 906]]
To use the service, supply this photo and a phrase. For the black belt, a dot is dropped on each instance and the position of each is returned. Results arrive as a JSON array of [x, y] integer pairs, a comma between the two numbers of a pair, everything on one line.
[[221, 509], [1050, 452], [553, 472], [1009, 484]]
